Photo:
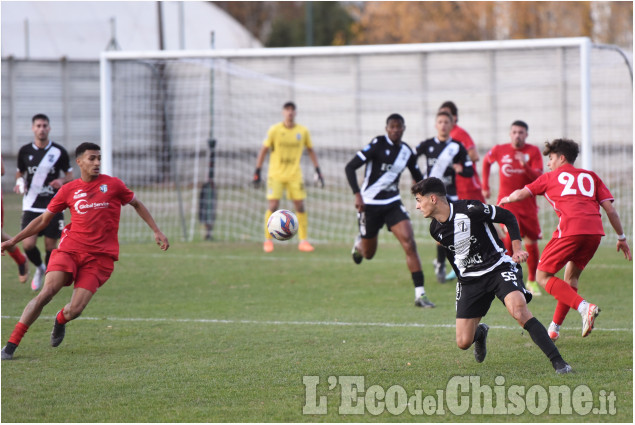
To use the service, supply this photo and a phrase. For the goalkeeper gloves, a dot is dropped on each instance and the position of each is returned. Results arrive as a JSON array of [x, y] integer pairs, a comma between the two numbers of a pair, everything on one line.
[[256, 178], [319, 180]]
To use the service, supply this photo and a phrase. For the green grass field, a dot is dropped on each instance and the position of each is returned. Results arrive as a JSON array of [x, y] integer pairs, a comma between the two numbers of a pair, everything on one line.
[[216, 332]]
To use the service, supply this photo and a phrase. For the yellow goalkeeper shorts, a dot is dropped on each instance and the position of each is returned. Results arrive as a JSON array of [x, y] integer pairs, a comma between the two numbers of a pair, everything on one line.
[[294, 190]]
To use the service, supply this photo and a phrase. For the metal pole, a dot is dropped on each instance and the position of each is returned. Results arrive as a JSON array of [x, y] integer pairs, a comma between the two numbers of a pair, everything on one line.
[[160, 25], [585, 104], [27, 41], [182, 25], [106, 116]]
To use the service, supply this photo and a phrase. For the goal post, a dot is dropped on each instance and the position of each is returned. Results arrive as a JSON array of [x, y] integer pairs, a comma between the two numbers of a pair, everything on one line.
[[157, 121]]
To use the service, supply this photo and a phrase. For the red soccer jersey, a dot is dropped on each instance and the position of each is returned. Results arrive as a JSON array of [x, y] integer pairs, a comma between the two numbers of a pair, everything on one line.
[[95, 211], [575, 194], [466, 187], [512, 174]]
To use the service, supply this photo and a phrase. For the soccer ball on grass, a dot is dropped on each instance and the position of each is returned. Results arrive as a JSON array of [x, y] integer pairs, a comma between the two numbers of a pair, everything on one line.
[[282, 225]]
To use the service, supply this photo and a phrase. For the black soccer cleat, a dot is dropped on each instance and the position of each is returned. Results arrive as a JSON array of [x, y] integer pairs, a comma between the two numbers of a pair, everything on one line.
[[57, 336], [480, 347], [424, 302], [357, 256], [561, 367]]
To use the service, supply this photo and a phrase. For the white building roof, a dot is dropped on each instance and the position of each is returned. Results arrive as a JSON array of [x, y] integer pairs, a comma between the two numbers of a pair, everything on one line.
[[83, 29]]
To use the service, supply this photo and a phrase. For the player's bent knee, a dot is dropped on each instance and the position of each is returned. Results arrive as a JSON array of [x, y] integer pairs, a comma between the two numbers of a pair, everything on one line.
[[521, 314], [464, 342]]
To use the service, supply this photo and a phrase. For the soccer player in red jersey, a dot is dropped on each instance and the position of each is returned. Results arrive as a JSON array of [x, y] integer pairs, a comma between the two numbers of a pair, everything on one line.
[[88, 247], [466, 187], [576, 195], [519, 164]]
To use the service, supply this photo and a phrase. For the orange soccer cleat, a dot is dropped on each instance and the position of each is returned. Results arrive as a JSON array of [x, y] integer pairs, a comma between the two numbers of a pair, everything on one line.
[[305, 246]]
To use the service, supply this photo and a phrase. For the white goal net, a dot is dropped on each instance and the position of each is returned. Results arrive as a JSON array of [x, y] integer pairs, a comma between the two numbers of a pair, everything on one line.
[[161, 110]]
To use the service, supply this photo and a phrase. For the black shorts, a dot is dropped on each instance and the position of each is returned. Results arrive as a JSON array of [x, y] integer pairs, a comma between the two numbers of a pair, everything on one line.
[[375, 216], [475, 298], [53, 230]]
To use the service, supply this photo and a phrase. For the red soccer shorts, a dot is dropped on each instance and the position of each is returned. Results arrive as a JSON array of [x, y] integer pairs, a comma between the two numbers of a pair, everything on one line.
[[577, 248], [89, 271]]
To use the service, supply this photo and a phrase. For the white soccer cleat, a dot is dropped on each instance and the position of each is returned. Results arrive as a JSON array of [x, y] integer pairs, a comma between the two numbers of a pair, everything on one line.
[[554, 331], [38, 277], [588, 319]]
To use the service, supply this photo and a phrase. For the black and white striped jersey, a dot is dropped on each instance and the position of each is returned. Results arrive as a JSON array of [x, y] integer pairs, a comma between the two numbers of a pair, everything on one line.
[[470, 238], [385, 161], [40, 167], [439, 159]]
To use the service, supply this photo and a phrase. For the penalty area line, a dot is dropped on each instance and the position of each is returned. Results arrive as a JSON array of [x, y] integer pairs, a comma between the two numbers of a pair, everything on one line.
[[294, 323]]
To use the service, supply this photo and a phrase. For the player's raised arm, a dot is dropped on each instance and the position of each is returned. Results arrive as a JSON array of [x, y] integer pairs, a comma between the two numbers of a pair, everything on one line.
[[143, 212]]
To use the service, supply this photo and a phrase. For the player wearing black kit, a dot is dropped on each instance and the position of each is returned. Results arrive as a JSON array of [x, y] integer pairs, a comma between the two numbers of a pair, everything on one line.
[[38, 177], [445, 158], [378, 202], [466, 231]]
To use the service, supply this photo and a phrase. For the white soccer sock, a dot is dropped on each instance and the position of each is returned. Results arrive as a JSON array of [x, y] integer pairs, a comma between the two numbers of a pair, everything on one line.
[[419, 291], [583, 307]]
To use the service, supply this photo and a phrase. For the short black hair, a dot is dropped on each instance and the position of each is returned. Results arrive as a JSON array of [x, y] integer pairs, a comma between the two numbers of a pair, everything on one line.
[[39, 117], [395, 117], [520, 123], [86, 146], [451, 106], [429, 185], [566, 147], [289, 104]]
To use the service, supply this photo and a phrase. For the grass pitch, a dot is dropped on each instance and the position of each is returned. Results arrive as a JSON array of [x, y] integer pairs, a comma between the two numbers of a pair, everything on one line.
[[217, 332]]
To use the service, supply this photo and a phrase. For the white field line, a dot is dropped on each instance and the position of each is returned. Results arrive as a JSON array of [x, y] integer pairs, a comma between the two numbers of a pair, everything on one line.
[[345, 258], [295, 323]]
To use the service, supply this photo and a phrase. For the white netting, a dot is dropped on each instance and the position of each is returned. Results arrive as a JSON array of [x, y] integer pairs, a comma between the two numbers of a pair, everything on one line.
[[165, 111]]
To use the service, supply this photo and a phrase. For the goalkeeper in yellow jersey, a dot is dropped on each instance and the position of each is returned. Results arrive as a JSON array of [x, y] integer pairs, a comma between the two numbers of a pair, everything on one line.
[[286, 141]]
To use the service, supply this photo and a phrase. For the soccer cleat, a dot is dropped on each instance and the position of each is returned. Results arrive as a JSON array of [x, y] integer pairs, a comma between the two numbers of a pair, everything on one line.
[[5, 355], [57, 335], [23, 272], [534, 288], [562, 367], [268, 246], [38, 277], [305, 246], [554, 331], [424, 302], [451, 275], [588, 319], [480, 347], [357, 256], [439, 271]]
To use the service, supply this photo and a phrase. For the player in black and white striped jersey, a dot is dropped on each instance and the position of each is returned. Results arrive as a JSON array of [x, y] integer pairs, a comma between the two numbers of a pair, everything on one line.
[[466, 230], [378, 202], [38, 178]]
